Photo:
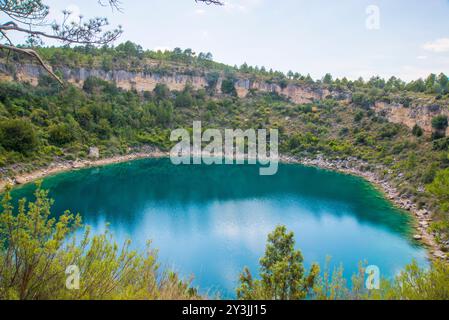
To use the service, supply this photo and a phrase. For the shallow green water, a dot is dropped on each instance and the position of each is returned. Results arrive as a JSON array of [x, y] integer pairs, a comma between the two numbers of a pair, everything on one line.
[[212, 221]]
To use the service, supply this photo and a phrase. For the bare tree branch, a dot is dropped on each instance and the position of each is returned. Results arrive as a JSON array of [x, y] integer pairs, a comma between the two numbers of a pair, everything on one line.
[[114, 4], [83, 33], [33, 54], [28, 15], [25, 11], [208, 2]]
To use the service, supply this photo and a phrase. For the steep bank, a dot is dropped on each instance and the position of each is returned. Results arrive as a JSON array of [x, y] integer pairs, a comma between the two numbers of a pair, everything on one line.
[[419, 111], [176, 80]]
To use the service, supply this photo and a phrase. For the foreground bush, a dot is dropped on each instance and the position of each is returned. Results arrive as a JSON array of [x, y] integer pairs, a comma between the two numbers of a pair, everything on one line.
[[282, 272], [282, 277], [38, 254], [37, 250]]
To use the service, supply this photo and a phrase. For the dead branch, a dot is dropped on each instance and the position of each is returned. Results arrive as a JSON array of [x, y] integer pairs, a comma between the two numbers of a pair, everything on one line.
[[33, 54]]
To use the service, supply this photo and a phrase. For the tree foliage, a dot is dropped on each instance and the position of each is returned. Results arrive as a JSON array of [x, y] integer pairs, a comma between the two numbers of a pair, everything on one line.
[[415, 283], [440, 188], [440, 122], [17, 135], [37, 249], [228, 87], [417, 131], [61, 134], [281, 271], [279, 276]]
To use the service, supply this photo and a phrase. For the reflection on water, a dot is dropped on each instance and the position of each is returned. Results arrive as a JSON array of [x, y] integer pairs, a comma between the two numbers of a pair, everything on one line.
[[211, 221]]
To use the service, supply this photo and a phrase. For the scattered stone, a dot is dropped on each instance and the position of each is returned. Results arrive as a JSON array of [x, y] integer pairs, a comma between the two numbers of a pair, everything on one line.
[[417, 237], [424, 224], [77, 165], [439, 254]]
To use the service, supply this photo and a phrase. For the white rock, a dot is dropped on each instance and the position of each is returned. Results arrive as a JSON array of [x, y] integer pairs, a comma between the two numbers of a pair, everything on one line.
[[94, 152], [439, 254]]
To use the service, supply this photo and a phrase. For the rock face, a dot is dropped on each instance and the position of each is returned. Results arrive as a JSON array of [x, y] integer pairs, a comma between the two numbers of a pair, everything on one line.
[[420, 113], [147, 81], [297, 93]]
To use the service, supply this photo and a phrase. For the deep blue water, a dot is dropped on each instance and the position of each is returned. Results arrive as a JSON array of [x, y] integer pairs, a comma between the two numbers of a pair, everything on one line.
[[212, 221]]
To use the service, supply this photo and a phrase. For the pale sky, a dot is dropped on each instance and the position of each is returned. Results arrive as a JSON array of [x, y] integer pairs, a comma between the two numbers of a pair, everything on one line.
[[314, 36]]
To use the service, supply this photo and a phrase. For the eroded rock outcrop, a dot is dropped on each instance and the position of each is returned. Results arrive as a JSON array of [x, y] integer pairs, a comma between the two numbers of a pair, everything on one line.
[[419, 113], [147, 81]]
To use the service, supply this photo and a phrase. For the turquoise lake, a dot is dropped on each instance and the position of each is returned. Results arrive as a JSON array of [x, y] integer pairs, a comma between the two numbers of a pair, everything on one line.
[[212, 221]]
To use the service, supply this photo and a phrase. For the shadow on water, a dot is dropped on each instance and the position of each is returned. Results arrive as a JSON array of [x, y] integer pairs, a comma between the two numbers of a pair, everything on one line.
[[131, 187]]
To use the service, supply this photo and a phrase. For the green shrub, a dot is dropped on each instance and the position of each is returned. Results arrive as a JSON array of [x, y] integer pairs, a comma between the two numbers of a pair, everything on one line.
[[36, 251], [281, 270], [161, 92], [18, 135], [441, 144], [60, 135], [440, 122], [228, 87], [417, 131], [184, 99], [440, 188], [359, 116]]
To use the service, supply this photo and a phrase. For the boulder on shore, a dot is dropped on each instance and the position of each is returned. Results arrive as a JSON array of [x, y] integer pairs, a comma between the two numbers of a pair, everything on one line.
[[94, 153]]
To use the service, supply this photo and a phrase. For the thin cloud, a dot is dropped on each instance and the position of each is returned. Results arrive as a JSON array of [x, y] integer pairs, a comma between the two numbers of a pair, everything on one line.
[[438, 46]]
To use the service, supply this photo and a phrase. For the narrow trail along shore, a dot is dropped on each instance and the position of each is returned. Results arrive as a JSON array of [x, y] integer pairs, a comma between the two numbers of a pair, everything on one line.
[[423, 216]]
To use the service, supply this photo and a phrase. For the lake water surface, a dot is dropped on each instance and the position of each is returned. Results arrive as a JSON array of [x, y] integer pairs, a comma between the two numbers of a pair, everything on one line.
[[212, 221]]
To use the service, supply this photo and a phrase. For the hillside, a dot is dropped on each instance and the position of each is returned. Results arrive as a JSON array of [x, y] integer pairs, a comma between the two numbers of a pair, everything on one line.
[[142, 71], [122, 100]]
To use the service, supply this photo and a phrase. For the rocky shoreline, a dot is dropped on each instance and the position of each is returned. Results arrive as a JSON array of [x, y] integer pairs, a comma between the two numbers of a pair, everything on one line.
[[349, 166], [352, 166]]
